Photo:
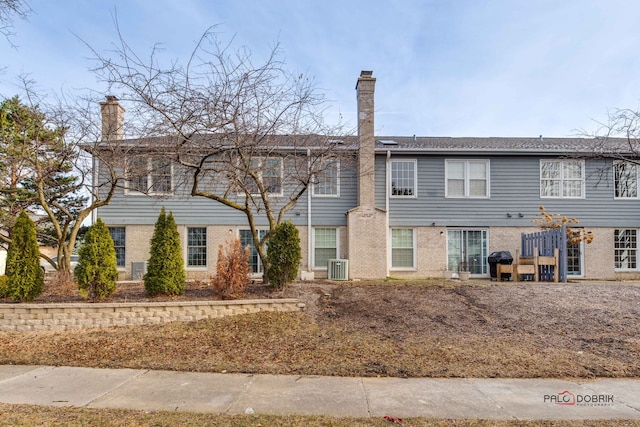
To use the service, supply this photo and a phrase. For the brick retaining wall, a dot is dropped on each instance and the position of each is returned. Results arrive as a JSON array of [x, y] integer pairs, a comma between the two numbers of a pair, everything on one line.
[[56, 317]]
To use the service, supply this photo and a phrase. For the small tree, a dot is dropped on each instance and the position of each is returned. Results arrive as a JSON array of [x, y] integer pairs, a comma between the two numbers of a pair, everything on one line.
[[549, 220], [26, 277], [97, 271], [232, 270], [283, 255], [165, 269]]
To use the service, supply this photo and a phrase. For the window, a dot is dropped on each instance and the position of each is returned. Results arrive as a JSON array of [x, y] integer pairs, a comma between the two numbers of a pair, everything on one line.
[[197, 247], [402, 250], [118, 236], [148, 175], [626, 249], [562, 179], [137, 174], [325, 246], [467, 178], [626, 180], [403, 178], [246, 239], [269, 172], [160, 176], [326, 181]]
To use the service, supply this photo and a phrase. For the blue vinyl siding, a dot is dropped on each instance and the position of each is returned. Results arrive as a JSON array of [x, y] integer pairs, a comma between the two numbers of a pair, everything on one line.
[[139, 209], [514, 188]]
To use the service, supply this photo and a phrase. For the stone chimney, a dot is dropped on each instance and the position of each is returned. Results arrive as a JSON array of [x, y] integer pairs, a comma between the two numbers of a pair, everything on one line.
[[366, 155], [112, 119]]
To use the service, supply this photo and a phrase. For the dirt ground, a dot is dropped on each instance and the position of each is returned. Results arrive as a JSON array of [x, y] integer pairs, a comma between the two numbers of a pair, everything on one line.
[[600, 319]]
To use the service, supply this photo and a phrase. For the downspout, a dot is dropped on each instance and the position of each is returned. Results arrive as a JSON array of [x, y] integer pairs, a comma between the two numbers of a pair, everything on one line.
[[386, 208], [94, 174], [309, 234]]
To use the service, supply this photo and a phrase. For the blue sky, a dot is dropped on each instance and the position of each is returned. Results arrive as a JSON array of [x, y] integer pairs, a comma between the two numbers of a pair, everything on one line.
[[443, 67]]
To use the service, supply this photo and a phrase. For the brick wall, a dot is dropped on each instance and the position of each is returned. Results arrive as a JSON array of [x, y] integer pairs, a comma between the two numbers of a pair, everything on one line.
[[55, 317]]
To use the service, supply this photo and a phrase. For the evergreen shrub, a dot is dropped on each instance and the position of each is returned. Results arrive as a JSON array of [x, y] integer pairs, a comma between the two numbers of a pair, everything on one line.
[[97, 270], [165, 268], [283, 255], [25, 276]]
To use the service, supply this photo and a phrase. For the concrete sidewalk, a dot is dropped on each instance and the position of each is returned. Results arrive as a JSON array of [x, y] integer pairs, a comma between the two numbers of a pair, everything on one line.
[[333, 396]]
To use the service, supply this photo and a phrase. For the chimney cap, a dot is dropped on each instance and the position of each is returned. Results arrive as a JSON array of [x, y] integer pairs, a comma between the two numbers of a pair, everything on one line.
[[111, 98], [366, 74]]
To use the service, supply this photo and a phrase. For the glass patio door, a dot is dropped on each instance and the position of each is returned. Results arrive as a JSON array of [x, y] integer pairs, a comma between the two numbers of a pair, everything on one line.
[[246, 239], [468, 246]]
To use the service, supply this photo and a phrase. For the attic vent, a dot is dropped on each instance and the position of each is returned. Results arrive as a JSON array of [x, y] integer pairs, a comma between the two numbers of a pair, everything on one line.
[[387, 142]]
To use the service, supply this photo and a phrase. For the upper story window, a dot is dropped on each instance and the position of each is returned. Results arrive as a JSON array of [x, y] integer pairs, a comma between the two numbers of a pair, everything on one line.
[[269, 172], [562, 179], [403, 178], [467, 178], [149, 175], [326, 182], [626, 180]]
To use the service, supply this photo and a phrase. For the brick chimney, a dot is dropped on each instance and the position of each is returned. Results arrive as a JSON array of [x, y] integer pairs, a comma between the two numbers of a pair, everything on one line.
[[366, 155], [112, 119]]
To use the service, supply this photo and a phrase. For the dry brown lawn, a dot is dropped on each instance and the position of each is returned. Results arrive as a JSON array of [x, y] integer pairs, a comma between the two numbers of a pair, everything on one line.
[[419, 329]]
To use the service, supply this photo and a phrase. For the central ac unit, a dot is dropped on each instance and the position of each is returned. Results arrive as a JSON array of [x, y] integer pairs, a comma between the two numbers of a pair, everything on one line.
[[338, 269], [138, 270]]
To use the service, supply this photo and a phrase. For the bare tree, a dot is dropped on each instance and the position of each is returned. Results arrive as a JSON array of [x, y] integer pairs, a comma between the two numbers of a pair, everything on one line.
[[616, 144], [46, 169], [249, 136], [10, 9]]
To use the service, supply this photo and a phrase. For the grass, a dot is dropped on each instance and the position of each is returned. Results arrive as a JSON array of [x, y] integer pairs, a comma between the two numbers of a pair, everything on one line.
[[292, 343], [26, 415], [297, 343]]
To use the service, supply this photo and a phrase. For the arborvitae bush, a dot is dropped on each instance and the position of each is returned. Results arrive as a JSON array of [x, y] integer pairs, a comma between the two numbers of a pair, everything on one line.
[[232, 270], [97, 270], [4, 286], [25, 276], [165, 268], [283, 255]]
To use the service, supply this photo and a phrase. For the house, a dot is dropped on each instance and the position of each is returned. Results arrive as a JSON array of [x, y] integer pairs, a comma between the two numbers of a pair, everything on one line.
[[414, 206]]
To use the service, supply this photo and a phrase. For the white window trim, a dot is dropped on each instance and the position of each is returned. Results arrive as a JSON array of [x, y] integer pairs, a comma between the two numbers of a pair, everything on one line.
[[415, 179], [130, 191], [391, 267], [313, 249], [313, 186], [637, 249], [186, 249], [637, 196], [466, 162], [562, 162]]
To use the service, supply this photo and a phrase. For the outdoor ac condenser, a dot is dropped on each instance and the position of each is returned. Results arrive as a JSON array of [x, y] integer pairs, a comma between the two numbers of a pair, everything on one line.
[[338, 269], [138, 269]]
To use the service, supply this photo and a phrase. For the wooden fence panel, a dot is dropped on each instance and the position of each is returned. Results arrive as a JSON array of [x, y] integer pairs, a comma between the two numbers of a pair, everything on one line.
[[546, 241]]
